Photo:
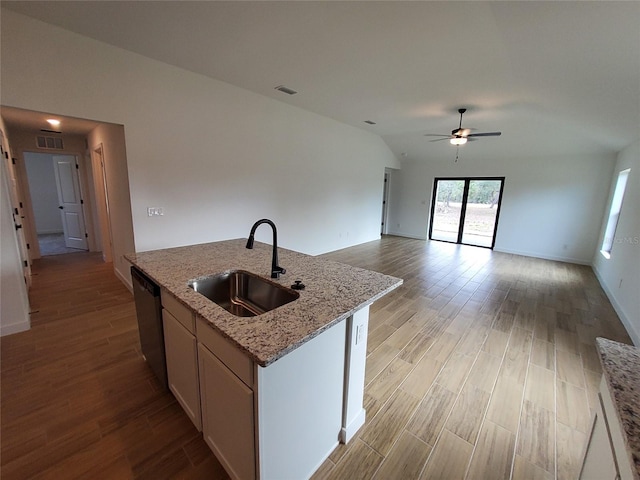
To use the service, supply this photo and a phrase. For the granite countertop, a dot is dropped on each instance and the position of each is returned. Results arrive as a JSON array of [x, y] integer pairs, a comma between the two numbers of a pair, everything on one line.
[[334, 291], [621, 369]]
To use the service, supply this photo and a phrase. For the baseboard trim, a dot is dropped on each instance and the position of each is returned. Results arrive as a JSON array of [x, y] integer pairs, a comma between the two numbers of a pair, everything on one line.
[[635, 336], [124, 280], [406, 235], [554, 258], [348, 432], [15, 328]]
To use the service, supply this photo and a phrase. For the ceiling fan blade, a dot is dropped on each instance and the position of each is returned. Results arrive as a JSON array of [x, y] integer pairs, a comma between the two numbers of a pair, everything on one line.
[[485, 134], [440, 139], [436, 135]]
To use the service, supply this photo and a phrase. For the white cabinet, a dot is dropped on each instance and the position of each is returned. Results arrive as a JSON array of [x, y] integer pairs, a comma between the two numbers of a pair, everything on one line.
[[182, 356], [605, 456], [227, 416]]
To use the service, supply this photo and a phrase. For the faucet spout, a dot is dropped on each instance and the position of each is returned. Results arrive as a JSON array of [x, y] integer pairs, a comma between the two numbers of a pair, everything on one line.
[[276, 270]]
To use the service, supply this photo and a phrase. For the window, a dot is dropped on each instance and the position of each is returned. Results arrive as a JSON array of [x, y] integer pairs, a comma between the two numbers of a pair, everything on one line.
[[466, 210], [614, 213]]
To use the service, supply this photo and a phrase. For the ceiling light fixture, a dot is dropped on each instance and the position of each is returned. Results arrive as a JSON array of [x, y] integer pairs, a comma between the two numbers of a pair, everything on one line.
[[458, 141], [53, 122]]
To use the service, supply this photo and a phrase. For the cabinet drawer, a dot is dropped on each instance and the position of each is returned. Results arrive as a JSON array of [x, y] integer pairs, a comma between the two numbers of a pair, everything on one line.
[[228, 354], [182, 313]]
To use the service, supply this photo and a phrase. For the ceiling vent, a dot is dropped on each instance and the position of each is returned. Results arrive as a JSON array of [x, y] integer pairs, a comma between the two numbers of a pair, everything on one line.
[[287, 90], [51, 143]]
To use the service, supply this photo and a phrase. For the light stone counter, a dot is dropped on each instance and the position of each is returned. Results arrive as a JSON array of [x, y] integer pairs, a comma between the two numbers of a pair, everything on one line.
[[333, 292], [621, 369]]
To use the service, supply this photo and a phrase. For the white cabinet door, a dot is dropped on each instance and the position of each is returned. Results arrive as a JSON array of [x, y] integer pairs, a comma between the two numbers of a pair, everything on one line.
[[182, 366], [227, 416], [599, 459]]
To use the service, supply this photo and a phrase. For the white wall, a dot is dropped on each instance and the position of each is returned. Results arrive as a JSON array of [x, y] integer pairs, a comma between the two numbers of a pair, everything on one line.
[[551, 207], [620, 274], [14, 303], [44, 194], [111, 139], [214, 157]]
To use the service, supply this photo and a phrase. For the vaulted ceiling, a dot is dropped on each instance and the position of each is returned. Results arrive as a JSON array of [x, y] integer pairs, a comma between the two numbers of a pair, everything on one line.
[[557, 78]]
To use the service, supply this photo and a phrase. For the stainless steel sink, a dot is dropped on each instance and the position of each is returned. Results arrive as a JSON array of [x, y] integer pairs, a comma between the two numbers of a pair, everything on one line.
[[243, 293]]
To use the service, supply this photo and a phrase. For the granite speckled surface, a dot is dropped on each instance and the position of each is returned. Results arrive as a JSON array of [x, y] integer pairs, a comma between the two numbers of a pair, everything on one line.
[[621, 369], [333, 292]]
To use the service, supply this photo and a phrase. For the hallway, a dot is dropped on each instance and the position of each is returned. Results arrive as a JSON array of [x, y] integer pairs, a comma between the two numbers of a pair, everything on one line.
[[78, 400]]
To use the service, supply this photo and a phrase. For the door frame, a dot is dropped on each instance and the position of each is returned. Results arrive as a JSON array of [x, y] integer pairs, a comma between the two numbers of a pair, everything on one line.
[[30, 224], [463, 211], [385, 203]]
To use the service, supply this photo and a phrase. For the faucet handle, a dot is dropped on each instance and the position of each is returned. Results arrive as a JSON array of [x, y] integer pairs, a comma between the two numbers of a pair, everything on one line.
[[276, 271]]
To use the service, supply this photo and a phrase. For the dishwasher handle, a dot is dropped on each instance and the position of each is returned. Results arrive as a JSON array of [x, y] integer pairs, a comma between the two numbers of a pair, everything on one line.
[[141, 281]]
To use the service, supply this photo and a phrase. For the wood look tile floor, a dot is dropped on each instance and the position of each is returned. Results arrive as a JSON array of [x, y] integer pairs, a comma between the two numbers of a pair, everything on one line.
[[78, 400], [481, 365]]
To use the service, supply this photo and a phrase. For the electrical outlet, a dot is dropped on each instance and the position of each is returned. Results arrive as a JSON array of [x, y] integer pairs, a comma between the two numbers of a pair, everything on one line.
[[359, 333], [155, 211]]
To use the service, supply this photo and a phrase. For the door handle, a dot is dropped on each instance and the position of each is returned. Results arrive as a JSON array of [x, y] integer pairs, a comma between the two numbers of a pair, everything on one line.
[[60, 207], [18, 226]]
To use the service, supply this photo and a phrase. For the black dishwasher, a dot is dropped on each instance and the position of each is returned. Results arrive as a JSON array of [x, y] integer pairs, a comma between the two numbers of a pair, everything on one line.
[[149, 312]]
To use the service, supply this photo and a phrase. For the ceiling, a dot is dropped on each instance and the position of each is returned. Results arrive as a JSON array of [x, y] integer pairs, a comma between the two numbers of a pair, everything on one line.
[[556, 78], [21, 119]]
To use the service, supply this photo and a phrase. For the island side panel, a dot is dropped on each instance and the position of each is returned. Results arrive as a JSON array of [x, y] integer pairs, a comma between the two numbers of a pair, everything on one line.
[[300, 406], [353, 416]]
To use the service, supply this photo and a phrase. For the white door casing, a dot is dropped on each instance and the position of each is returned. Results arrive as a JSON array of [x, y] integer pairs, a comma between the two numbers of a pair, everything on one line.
[[70, 201]]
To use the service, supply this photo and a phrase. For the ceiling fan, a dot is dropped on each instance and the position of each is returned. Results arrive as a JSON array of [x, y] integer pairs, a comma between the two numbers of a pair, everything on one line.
[[460, 135]]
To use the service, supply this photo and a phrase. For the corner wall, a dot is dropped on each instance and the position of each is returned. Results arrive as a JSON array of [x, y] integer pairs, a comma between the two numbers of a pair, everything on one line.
[[215, 157], [620, 274], [552, 207]]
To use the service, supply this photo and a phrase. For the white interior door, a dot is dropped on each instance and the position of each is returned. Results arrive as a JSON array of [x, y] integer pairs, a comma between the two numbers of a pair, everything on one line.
[[70, 201]]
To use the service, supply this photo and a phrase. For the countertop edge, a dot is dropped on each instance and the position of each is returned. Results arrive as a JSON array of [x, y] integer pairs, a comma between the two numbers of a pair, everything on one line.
[[157, 265], [623, 391]]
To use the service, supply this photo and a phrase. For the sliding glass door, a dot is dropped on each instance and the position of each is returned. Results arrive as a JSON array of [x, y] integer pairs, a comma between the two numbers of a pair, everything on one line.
[[466, 210]]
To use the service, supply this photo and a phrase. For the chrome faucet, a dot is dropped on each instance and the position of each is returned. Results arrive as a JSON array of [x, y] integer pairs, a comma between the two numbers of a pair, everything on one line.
[[276, 270]]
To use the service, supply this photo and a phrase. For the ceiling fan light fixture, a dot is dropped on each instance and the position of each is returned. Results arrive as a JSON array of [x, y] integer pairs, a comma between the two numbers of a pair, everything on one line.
[[458, 141]]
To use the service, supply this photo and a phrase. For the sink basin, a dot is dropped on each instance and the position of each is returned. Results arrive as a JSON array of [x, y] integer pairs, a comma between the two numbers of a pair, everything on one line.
[[243, 293]]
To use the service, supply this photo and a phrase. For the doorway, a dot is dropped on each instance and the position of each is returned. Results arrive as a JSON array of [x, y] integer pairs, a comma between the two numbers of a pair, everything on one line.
[[466, 210], [57, 204]]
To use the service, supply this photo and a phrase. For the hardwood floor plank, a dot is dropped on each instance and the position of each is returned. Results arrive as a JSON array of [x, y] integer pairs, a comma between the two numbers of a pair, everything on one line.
[[536, 441], [573, 408], [361, 462], [539, 388], [543, 354], [378, 361], [430, 416], [493, 455], [449, 458], [405, 460], [569, 368], [468, 412], [485, 371], [504, 407], [419, 381], [525, 470], [455, 372], [385, 428], [383, 386], [570, 449]]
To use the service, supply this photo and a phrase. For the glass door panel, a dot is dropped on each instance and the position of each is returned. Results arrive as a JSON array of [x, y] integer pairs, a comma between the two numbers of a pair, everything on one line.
[[481, 212], [447, 211]]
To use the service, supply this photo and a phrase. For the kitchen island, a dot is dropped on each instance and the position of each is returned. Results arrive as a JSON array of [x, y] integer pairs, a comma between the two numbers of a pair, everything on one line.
[[273, 393]]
